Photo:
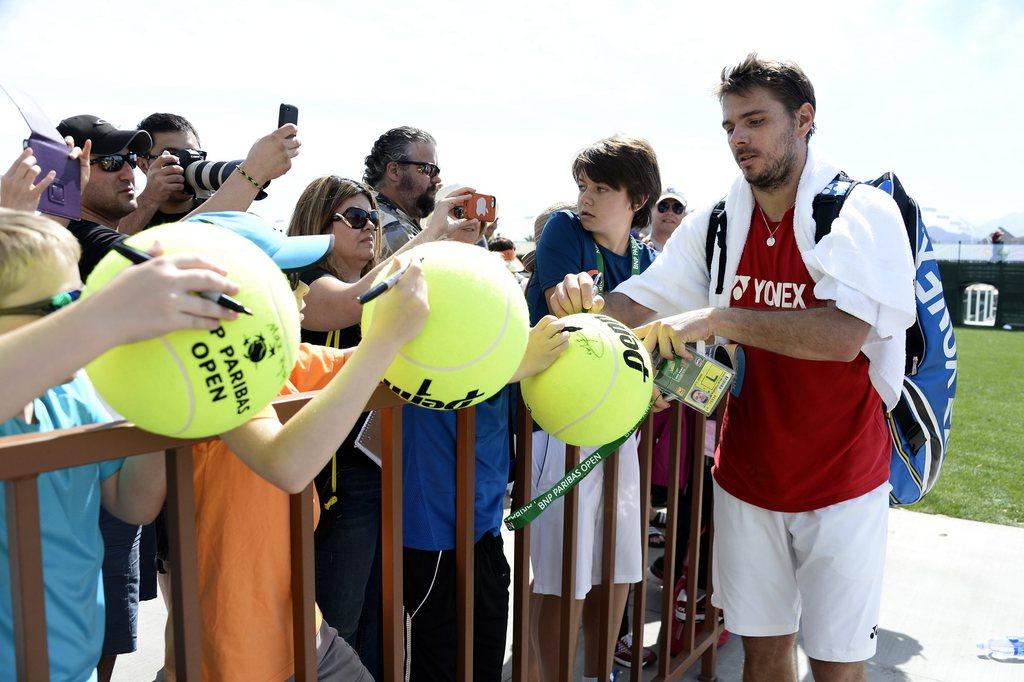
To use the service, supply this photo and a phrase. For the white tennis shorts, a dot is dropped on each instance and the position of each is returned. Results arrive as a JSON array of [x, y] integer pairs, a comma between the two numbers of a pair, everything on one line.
[[819, 572], [546, 537]]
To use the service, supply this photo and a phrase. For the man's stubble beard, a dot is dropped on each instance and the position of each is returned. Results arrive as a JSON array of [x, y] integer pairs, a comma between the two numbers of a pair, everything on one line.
[[779, 170], [111, 209]]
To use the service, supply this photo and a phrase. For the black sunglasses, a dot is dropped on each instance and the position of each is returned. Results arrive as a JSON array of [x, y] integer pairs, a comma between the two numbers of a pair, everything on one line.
[[677, 208], [356, 218], [174, 152], [46, 306], [112, 163], [428, 169]]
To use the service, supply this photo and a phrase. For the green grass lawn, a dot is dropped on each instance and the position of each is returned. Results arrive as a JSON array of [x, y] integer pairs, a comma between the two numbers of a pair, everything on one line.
[[983, 476]]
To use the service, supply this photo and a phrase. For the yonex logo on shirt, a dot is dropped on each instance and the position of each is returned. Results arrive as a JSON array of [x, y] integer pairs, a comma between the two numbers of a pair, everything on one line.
[[771, 294], [740, 287]]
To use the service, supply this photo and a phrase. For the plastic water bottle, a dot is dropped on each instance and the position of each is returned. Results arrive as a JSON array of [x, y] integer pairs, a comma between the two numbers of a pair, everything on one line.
[[1004, 647]]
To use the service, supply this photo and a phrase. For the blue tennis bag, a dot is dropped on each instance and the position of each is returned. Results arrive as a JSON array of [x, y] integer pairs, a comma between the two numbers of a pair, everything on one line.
[[921, 421]]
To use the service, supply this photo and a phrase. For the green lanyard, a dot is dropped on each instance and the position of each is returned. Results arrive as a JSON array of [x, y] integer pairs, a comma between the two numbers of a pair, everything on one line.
[[527, 513], [521, 517], [634, 254]]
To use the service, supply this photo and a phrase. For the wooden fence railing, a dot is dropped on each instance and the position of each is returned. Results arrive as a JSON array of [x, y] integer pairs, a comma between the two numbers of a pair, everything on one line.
[[23, 458]]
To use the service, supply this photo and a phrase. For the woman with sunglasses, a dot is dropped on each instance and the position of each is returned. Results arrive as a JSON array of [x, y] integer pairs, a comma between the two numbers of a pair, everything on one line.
[[347, 538]]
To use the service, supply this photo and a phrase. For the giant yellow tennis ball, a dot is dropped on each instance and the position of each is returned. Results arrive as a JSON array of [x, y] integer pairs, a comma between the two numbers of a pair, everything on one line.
[[598, 389], [473, 339], [194, 383]]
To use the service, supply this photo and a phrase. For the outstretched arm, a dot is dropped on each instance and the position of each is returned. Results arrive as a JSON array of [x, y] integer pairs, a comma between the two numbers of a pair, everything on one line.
[[331, 303], [290, 455], [825, 333], [38, 355]]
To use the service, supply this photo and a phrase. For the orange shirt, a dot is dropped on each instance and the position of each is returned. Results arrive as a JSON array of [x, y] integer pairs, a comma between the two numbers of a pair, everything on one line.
[[244, 551]]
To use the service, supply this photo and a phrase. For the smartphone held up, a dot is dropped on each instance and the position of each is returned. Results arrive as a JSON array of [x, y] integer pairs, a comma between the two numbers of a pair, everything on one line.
[[482, 207]]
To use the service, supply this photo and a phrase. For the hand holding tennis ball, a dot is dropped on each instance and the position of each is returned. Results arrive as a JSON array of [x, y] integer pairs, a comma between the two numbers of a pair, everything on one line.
[[198, 381], [475, 337], [399, 315], [548, 339]]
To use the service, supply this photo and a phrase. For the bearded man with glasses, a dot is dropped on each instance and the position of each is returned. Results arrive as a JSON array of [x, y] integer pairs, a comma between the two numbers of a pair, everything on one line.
[[402, 167]]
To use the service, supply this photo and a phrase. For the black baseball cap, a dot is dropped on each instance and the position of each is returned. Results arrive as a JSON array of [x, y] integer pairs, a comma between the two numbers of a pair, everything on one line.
[[106, 138]]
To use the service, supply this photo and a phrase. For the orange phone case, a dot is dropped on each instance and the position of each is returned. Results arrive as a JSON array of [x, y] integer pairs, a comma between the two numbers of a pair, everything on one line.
[[481, 207]]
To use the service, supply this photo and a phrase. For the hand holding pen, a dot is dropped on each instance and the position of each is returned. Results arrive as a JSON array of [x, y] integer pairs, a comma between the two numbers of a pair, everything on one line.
[[398, 317], [138, 257], [380, 288]]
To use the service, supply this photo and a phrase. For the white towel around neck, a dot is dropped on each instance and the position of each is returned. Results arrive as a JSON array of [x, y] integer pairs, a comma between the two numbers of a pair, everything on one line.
[[864, 264]]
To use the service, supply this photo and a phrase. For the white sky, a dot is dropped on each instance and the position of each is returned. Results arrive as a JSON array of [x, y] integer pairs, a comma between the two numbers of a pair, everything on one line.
[[511, 91]]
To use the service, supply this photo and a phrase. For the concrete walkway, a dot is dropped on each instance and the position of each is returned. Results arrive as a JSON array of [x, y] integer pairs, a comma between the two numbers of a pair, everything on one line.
[[949, 583]]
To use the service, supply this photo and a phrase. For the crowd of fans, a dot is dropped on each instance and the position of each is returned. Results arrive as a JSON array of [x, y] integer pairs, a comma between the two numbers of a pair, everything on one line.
[[244, 589], [104, 520]]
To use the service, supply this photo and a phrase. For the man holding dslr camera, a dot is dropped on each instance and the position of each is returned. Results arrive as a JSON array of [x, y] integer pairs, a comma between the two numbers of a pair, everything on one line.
[[110, 195], [170, 196], [108, 202]]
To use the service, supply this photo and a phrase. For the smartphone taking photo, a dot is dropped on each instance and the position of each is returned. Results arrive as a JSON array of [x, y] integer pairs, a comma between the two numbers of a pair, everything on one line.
[[288, 113], [482, 207]]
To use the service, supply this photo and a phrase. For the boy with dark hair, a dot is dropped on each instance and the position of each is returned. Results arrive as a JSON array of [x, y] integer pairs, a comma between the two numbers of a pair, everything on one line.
[[618, 181]]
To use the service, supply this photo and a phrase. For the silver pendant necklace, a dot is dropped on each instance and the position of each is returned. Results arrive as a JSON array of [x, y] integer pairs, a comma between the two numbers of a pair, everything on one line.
[[771, 233]]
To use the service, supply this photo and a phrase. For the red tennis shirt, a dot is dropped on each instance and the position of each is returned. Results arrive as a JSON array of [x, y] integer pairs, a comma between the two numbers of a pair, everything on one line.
[[803, 434]]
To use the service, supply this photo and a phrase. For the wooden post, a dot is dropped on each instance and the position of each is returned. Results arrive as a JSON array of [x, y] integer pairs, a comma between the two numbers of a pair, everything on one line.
[[640, 591], [568, 625], [693, 550], [25, 560], [521, 570], [303, 584], [465, 527], [609, 625], [181, 531], [668, 605], [391, 543]]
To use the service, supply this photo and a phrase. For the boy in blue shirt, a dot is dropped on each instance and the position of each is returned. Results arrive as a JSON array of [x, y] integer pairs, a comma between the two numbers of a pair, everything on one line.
[[618, 181], [38, 276]]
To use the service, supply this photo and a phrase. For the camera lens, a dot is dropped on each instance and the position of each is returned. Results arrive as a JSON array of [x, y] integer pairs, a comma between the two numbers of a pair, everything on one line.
[[203, 178]]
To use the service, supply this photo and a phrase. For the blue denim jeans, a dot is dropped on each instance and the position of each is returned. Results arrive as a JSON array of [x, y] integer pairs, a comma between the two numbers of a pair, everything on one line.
[[120, 583], [348, 569]]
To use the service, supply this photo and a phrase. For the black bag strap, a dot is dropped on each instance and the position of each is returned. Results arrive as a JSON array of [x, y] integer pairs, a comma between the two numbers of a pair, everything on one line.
[[825, 209], [909, 425], [828, 203], [717, 227]]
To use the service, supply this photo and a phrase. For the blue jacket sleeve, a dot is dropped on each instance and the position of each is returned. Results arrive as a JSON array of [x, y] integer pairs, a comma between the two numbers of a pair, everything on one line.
[[560, 250]]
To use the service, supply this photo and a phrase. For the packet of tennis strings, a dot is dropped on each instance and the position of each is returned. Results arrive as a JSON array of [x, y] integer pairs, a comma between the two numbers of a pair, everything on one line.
[[700, 382]]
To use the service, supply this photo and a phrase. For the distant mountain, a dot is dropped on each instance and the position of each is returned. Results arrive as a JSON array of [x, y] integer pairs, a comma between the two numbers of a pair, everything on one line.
[[947, 228], [1011, 222], [941, 236]]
